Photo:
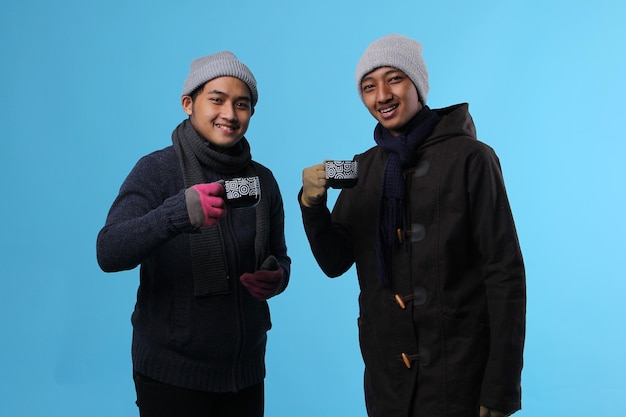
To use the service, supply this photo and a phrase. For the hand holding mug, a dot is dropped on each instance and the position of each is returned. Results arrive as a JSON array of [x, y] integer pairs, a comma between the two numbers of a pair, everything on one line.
[[205, 204], [314, 185]]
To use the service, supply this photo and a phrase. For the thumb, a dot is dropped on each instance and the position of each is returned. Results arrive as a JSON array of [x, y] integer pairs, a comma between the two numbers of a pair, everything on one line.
[[270, 264]]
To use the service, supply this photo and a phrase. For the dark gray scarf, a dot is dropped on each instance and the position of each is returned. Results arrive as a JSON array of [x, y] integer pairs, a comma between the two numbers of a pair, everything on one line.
[[207, 248]]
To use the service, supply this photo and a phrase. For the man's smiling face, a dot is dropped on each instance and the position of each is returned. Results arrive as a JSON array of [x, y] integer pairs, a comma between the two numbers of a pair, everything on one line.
[[391, 97], [221, 112]]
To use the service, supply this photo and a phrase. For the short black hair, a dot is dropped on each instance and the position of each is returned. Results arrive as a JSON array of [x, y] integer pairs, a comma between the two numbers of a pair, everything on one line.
[[196, 91]]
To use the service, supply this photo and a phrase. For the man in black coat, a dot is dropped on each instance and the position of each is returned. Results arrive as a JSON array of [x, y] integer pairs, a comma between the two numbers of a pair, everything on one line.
[[429, 227]]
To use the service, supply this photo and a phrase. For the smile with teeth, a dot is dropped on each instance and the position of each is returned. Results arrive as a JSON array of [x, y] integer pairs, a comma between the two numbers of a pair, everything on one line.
[[388, 109], [225, 128]]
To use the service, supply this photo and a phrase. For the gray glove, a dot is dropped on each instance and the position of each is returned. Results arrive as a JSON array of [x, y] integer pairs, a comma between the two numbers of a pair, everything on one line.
[[487, 412]]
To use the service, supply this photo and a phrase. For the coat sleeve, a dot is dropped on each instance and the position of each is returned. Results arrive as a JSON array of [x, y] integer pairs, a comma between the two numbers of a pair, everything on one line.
[[147, 212], [330, 242], [504, 278]]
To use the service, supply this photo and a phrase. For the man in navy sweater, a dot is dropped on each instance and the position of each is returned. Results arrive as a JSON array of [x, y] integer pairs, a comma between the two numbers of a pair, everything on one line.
[[206, 268]]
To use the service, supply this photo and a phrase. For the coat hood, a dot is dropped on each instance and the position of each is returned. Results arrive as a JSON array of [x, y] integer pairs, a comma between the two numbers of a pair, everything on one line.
[[454, 121]]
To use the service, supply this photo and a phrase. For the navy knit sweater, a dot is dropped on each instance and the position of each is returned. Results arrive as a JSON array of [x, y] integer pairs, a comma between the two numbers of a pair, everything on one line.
[[214, 343]]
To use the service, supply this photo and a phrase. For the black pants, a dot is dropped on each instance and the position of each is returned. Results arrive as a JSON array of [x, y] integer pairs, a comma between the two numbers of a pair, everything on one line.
[[156, 399]]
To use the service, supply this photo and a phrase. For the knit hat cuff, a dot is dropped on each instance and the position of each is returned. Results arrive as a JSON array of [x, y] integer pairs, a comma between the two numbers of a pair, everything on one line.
[[221, 64], [399, 52]]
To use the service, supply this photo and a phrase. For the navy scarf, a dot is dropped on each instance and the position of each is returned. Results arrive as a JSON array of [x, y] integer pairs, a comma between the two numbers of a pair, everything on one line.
[[402, 154]]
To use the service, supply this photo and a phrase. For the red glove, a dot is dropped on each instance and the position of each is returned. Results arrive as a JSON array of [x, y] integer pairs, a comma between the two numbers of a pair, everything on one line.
[[266, 281], [205, 203]]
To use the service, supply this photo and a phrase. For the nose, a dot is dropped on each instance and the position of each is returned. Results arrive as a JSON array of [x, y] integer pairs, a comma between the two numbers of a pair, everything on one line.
[[383, 94], [229, 112]]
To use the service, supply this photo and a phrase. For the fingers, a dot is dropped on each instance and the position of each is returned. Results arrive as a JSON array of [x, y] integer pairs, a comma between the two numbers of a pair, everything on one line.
[[314, 176], [487, 412], [314, 184], [262, 284], [212, 188], [214, 206], [268, 277]]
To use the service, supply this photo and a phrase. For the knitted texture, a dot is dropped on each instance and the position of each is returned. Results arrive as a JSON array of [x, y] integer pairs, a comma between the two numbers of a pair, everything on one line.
[[399, 52], [179, 339], [221, 64], [402, 153], [210, 272]]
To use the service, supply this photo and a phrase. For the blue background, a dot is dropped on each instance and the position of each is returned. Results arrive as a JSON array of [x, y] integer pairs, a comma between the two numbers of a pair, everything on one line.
[[88, 87]]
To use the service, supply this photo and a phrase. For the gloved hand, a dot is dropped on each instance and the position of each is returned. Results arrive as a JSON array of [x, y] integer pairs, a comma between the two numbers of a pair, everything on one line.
[[486, 412], [205, 203], [266, 281], [314, 185]]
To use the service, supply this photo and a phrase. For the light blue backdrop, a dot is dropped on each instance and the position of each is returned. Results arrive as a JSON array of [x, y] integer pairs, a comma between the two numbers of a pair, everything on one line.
[[87, 87]]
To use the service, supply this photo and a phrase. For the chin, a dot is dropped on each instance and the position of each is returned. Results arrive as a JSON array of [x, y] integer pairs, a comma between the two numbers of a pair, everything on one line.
[[393, 127], [226, 144]]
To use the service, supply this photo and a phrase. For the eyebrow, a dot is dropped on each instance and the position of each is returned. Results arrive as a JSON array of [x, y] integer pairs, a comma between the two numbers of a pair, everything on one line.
[[221, 93], [390, 71]]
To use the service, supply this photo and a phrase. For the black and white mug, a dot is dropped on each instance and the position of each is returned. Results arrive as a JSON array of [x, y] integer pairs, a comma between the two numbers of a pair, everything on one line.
[[243, 192], [341, 173]]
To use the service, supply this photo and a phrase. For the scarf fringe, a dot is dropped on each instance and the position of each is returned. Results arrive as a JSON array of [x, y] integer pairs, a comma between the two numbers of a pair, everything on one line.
[[402, 153]]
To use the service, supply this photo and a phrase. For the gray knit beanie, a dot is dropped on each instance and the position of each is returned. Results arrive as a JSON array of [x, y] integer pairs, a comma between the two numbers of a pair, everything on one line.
[[221, 64], [399, 52]]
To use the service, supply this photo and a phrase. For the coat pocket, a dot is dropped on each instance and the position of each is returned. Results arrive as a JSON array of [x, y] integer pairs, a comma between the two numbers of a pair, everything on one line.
[[466, 352]]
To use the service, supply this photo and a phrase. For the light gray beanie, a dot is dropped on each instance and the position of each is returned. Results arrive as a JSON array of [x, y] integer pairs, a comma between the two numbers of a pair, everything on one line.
[[399, 52], [221, 64]]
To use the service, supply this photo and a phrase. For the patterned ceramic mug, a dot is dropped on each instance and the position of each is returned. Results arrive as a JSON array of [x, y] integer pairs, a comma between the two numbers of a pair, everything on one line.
[[341, 173], [243, 192]]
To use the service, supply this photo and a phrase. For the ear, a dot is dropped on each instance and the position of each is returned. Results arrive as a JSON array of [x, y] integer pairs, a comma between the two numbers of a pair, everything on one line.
[[187, 103]]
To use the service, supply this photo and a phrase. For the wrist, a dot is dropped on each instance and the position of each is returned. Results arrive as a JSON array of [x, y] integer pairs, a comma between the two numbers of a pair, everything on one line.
[[194, 207], [312, 201], [304, 201]]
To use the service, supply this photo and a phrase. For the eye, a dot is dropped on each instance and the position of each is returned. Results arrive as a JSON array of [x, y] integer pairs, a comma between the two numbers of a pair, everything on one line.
[[243, 105], [367, 87], [216, 99]]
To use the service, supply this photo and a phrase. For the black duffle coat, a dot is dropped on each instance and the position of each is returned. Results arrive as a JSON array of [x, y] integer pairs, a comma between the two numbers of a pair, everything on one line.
[[447, 336]]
